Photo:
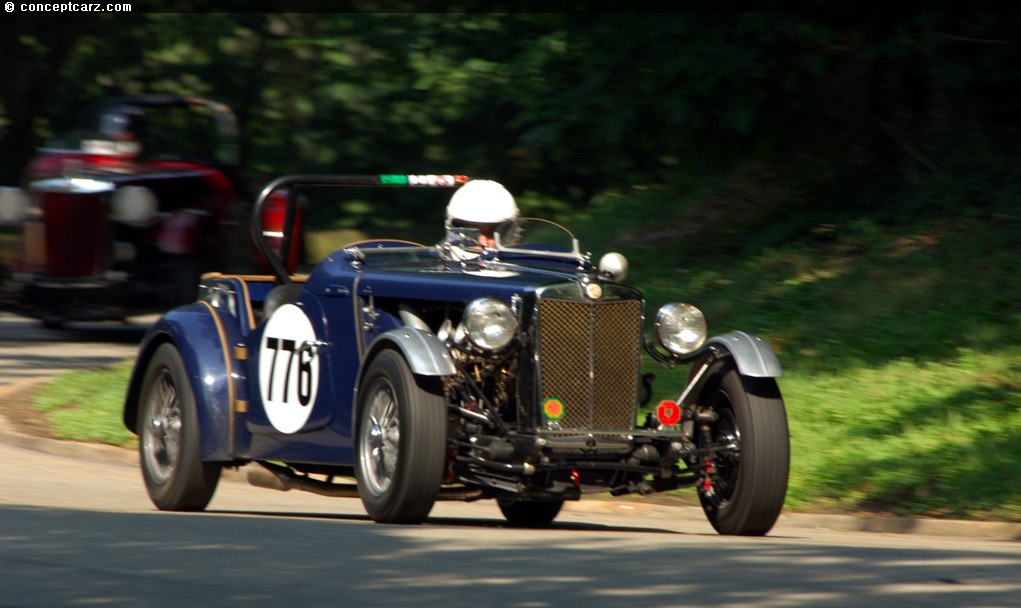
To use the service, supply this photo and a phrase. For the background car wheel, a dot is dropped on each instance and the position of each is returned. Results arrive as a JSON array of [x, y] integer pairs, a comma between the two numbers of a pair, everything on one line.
[[752, 482], [169, 444], [529, 513], [400, 441]]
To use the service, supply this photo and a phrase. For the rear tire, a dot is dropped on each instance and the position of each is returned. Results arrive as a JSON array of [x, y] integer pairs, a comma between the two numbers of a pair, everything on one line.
[[751, 483], [529, 513], [176, 478], [400, 441], [54, 323]]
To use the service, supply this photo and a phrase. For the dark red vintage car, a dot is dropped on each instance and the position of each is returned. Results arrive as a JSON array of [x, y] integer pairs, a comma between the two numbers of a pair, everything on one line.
[[122, 216]]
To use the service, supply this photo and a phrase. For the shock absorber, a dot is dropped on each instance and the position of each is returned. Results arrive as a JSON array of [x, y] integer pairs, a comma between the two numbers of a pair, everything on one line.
[[704, 418]]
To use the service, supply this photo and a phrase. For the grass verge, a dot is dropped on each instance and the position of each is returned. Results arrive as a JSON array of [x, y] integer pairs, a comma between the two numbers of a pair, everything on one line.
[[87, 405]]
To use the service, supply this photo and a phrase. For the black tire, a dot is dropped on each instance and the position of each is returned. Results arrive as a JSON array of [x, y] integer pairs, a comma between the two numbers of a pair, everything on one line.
[[752, 483], [54, 323], [529, 513], [400, 441], [169, 442]]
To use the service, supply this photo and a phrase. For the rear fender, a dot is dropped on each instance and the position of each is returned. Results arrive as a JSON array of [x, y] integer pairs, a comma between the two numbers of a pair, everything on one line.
[[203, 339]]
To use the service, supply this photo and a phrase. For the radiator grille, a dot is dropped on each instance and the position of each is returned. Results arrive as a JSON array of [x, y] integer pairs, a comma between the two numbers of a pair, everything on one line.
[[589, 360]]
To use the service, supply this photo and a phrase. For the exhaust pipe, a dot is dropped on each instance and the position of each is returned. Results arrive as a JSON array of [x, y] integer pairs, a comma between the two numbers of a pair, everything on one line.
[[280, 478], [284, 479]]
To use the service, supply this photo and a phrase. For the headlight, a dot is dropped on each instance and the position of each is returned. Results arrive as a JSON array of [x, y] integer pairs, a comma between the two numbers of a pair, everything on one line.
[[13, 205], [489, 323], [681, 328], [134, 205]]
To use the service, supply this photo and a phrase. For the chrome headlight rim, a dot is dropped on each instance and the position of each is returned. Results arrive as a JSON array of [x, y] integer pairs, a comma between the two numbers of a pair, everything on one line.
[[489, 324], [681, 328]]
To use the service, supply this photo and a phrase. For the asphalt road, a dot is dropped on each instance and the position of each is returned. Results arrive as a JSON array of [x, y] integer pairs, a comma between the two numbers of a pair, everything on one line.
[[81, 531], [27, 350]]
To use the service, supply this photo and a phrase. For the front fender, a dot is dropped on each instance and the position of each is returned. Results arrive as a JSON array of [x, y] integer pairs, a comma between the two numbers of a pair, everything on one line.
[[753, 355], [425, 353], [201, 337]]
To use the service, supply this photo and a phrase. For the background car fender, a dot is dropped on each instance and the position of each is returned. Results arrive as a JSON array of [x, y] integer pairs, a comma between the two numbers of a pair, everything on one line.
[[202, 339], [179, 233], [753, 355]]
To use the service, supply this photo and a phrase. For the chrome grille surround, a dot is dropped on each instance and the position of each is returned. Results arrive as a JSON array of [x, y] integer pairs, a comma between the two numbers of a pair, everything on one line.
[[588, 358]]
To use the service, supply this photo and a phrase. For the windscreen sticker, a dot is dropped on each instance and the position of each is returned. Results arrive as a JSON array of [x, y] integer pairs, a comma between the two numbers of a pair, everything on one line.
[[288, 369]]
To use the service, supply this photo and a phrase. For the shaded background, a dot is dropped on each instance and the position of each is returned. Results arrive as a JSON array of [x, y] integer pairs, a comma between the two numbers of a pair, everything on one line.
[[567, 105]]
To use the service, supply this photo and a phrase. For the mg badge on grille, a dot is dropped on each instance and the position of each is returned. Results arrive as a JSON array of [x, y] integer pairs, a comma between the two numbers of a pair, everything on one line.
[[594, 291]]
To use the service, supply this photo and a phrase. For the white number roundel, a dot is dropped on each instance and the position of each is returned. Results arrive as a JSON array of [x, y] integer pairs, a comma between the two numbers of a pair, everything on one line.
[[288, 369]]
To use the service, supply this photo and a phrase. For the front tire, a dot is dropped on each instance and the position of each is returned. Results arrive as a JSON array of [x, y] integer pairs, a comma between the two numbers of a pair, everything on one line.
[[400, 441], [751, 481], [176, 478]]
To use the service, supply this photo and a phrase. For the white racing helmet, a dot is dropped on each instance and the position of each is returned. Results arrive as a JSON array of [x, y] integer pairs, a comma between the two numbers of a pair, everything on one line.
[[481, 201]]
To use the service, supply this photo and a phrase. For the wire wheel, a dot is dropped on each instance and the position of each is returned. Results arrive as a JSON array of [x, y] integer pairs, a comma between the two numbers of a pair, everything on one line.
[[161, 433], [175, 476], [381, 428]]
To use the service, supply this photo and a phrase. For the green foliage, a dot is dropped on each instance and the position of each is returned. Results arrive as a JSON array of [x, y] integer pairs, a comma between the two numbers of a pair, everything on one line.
[[933, 438], [576, 103], [579, 102]]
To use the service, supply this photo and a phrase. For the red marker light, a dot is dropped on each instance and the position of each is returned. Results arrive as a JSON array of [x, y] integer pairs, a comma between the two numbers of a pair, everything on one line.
[[668, 412]]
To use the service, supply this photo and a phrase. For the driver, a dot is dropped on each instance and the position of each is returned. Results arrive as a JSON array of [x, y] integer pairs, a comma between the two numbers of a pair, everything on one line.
[[122, 125], [479, 205]]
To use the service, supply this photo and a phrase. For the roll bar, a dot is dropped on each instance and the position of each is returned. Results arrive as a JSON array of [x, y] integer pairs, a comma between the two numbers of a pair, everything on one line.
[[295, 182]]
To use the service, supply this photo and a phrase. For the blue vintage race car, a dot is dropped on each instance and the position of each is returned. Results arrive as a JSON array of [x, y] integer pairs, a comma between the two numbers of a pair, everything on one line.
[[406, 374]]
